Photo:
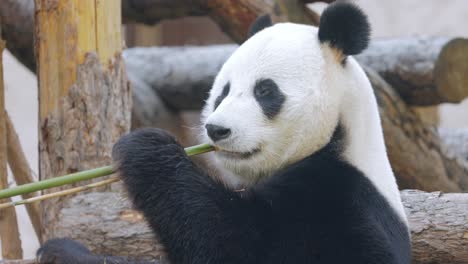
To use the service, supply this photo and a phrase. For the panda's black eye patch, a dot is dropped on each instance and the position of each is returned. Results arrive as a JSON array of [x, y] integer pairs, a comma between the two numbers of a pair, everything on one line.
[[223, 95], [269, 97]]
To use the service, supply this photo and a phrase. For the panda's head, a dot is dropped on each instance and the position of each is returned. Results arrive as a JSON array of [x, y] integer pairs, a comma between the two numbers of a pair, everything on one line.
[[277, 99]]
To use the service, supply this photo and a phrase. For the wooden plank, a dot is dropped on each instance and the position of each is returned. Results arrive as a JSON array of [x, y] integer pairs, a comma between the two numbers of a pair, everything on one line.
[[9, 233], [22, 172]]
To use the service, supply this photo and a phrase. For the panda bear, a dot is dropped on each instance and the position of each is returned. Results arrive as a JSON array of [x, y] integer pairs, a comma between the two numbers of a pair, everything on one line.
[[293, 117]]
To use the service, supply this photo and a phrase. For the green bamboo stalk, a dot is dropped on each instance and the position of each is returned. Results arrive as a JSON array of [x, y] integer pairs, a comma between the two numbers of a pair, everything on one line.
[[58, 194], [82, 176]]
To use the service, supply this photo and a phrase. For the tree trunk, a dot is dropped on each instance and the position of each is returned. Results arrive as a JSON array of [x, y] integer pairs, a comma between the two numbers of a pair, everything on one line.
[[106, 223], [84, 97], [9, 233]]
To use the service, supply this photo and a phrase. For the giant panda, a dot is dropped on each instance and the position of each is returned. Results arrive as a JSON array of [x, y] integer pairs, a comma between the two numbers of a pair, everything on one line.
[[294, 119]]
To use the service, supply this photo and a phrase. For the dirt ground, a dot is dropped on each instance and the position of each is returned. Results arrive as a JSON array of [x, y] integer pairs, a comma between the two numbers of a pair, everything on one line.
[[388, 18]]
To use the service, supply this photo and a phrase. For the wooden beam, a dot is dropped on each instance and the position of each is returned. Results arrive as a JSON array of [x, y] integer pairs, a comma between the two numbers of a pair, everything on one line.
[[22, 172], [9, 233]]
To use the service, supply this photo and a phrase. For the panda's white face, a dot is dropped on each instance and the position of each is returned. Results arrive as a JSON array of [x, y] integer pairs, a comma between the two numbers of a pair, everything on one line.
[[273, 102]]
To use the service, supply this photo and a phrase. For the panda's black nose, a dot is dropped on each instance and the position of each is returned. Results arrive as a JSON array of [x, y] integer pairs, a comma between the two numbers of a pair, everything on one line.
[[217, 132]]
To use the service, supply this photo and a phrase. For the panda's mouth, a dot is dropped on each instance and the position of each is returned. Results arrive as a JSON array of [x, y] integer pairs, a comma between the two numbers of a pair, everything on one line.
[[238, 155]]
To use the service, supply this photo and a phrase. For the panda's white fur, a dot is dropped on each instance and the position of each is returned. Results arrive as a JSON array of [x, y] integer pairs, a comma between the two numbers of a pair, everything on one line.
[[319, 92]]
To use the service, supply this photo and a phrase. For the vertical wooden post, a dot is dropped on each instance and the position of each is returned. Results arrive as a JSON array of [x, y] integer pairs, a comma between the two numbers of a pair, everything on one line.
[[9, 233], [84, 96]]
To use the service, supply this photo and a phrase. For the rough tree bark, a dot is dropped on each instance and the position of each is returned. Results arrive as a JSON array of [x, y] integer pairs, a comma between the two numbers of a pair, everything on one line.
[[9, 233], [417, 155], [437, 222], [85, 97]]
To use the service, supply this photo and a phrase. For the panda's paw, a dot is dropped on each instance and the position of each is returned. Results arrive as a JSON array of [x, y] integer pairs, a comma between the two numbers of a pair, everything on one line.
[[144, 144], [144, 152], [62, 251]]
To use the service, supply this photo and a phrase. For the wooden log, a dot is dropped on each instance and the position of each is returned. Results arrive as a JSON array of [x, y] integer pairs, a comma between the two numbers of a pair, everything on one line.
[[450, 70], [438, 226], [85, 98], [407, 64], [9, 233], [415, 150], [106, 223], [184, 76], [22, 172]]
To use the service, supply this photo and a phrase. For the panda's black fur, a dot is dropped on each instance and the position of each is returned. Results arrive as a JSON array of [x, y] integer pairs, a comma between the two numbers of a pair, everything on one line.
[[319, 210], [345, 27]]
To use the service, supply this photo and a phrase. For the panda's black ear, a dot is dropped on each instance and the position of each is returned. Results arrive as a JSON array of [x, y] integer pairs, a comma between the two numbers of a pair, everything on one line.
[[344, 26], [260, 23]]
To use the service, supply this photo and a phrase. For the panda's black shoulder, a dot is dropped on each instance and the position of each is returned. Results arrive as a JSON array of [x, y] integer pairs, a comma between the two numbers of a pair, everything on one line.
[[328, 203]]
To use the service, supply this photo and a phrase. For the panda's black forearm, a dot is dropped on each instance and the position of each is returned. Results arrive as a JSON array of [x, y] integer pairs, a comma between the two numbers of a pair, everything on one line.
[[192, 214], [195, 215]]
